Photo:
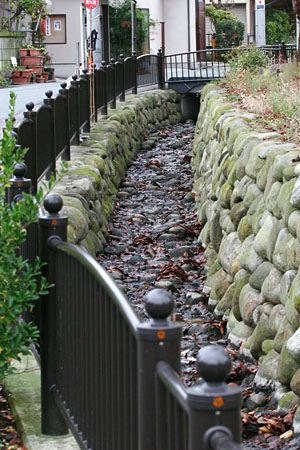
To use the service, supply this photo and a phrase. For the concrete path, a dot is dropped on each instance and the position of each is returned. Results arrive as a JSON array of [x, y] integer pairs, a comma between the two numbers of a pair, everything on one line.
[[25, 93], [25, 386]]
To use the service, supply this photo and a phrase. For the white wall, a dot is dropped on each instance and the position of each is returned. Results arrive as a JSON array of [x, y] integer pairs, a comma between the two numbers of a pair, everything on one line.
[[174, 14], [156, 14], [65, 56]]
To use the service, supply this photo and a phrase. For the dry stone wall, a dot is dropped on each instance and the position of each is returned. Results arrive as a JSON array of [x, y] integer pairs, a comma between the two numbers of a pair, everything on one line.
[[247, 188], [90, 184]]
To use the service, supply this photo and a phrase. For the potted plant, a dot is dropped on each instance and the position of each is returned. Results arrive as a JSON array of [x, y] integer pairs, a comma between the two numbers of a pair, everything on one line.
[[20, 75], [31, 50]]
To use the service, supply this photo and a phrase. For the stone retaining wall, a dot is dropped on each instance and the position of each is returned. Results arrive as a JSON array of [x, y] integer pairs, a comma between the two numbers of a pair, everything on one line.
[[90, 184], [247, 188]]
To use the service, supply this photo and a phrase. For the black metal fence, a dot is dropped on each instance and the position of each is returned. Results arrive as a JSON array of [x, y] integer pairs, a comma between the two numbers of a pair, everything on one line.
[[49, 130], [114, 380], [211, 64], [110, 378]]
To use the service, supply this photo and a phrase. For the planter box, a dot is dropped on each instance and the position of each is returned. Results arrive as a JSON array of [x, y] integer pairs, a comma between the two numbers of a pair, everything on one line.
[[20, 80], [37, 70], [32, 60], [24, 73], [40, 80], [35, 52], [23, 52], [29, 52]]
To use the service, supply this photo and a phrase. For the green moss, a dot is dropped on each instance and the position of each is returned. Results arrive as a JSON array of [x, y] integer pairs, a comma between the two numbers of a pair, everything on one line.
[[244, 228], [86, 172]]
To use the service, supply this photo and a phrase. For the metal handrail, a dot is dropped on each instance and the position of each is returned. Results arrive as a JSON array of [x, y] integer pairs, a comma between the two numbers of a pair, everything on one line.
[[173, 383], [102, 278], [222, 440]]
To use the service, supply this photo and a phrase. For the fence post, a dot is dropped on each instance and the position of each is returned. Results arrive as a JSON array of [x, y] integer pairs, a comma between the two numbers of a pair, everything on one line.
[[75, 85], [84, 79], [30, 117], [104, 87], [161, 69], [214, 406], [135, 69], [19, 184], [52, 224], [65, 93], [50, 102], [122, 96], [113, 65], [158, 340]]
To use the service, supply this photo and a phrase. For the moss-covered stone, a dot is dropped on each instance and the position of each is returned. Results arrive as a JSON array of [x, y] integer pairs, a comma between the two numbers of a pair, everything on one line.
[[244, 228], [219, 282], [240, 280], [249, 300], [267, 346], [287, 367], [287, 401], [295, 383], [260, 274], [261, 332]]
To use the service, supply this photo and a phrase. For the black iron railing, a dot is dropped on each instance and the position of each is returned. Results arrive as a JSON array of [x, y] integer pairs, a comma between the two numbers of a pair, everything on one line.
[[211, 64], [49, 130], [110, 378]]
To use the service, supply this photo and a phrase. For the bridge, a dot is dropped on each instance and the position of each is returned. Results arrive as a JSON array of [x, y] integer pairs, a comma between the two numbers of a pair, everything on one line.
[[189, 72]]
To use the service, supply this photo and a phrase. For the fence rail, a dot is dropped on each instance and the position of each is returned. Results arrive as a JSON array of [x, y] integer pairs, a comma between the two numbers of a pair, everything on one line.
[[113, 379], [211, 64], [110, 378]]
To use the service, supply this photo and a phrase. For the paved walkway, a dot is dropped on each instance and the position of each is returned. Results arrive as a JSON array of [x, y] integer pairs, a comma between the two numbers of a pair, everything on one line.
[[25, 93]]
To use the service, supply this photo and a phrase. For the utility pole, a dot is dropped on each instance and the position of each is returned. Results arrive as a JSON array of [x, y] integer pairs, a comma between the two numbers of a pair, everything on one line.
[[133, 27], [260, 23]]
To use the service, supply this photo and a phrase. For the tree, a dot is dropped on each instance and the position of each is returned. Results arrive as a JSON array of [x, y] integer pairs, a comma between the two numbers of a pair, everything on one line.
[[229, 30], [35, 9], [279, 27], [120, 29]]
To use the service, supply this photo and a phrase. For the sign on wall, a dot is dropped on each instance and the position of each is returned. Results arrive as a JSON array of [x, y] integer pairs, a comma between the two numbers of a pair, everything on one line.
[[91, 4], [55, 29]]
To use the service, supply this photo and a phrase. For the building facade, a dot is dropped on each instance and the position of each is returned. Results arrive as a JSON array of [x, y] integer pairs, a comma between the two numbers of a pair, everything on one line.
[[68, 29], [182, 28]]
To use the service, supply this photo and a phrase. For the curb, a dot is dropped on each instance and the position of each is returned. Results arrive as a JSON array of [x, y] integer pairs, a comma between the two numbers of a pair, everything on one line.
[[25, 386]]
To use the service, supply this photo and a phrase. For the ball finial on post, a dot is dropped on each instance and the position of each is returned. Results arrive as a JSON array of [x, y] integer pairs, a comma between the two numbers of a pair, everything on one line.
[[20, 170], [159, 304], [53, 203], [213, 364]]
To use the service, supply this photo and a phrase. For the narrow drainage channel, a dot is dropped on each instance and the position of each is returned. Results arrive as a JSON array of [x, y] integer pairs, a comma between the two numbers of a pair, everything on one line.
[[152, 242]]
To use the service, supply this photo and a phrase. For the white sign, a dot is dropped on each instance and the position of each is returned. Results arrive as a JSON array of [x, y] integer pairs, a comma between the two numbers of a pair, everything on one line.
[[48, 26], [57, 25]]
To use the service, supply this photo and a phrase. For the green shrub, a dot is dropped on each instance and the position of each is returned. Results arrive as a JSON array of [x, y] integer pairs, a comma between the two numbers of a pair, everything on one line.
[[249, 58], [279, 27], [20, 281], [229, 30], [120, 29]]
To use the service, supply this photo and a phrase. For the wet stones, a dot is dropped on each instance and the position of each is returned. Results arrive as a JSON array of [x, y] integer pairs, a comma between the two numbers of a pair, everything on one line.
[[247, 193]]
